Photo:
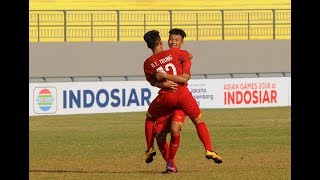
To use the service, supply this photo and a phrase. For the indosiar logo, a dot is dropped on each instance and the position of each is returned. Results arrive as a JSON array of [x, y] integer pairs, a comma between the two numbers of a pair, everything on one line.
[[45, 100]]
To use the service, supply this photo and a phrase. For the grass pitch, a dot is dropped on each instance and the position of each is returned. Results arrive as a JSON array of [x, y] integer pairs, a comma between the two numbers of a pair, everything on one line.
[[253, 142]]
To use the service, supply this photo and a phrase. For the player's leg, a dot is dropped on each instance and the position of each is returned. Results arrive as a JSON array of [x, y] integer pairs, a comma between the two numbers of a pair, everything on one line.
[[171, 167], [163, 145], [204, 136], [177, 121], [149, 134], [157, 108], [161, 129], [190, 106], [178, 118]]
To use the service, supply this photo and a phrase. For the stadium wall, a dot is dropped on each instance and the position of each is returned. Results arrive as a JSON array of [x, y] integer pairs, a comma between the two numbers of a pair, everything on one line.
[[126, 58]]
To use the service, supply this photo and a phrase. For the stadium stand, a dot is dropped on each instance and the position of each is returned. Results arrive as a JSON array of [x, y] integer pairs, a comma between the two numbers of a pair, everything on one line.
[[156, 4], [128, 20]]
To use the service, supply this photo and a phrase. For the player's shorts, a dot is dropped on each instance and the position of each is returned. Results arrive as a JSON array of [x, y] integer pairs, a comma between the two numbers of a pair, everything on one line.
[[182, 99], [163, 105], [188, 104], [163, 124]]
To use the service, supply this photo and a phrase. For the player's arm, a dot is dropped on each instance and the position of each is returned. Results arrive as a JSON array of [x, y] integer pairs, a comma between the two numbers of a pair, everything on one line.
[[186, 65], [165, 84], [185, 58], [151, 78], [181, 79]]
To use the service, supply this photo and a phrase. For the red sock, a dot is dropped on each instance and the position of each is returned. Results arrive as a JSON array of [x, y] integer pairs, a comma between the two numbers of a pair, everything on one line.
[[164, 148], [174, 145], [204, 135], [148, 130]]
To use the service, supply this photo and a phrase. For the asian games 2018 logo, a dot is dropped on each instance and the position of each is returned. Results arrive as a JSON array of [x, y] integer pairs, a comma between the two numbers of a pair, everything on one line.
[[45, 100]]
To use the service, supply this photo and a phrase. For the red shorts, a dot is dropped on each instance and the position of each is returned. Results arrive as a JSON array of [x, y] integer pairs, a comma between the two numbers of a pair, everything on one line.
[[164, 104], [162, 124]]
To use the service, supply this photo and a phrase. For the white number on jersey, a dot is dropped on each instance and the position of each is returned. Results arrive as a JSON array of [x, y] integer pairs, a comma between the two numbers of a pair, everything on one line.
[[166, 68]]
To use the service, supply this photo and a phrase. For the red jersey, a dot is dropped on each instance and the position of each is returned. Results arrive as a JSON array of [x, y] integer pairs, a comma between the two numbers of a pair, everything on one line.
[[173, 61]]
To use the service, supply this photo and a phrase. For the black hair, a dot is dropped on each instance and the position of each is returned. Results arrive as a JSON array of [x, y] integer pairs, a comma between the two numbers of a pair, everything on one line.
[[152, 38], [177, 31]]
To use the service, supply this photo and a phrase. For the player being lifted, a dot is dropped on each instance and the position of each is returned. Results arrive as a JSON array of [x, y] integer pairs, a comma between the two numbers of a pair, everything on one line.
[[176, 64]]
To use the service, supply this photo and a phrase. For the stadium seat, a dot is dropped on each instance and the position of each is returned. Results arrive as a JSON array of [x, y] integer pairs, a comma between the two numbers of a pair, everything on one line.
[[218, 76], [244, 75], [200, 24]]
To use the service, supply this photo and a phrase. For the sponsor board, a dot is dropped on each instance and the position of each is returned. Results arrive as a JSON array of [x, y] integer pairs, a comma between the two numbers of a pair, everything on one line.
[[135, 96]]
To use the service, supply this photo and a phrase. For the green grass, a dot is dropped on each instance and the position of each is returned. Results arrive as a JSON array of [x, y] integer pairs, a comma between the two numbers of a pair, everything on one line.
[[253, 142]]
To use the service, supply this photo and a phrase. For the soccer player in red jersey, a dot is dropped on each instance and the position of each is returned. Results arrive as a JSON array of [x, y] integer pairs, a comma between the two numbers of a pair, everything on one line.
[[170, 61], [173, 122]]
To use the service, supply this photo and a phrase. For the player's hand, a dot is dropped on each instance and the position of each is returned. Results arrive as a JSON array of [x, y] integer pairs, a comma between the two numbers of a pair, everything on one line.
[[170, 84], [160, 75], [190, 56]]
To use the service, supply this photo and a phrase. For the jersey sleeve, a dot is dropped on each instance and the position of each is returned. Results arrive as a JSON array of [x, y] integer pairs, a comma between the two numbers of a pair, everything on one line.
[[148, 73], [186, 67], [185, 58], [185, 55]]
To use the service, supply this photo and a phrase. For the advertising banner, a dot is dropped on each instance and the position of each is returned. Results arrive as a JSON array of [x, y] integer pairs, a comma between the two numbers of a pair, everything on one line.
[[134, 96]]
